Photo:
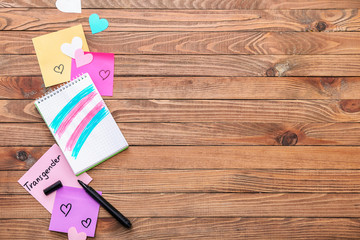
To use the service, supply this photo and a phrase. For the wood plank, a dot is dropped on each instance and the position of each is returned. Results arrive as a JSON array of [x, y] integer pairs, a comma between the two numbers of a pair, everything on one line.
[[197, 228], [262, 111], [253, 43], [204, 205], [204, 88], [207, 65], [217, 133], [208, 181], [194, 4], [22, 87], [186, 20], [205, 157]]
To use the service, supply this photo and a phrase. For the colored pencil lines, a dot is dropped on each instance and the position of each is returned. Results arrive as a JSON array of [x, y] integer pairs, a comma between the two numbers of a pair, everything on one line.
[[55, 124], [86, 126], [73, 113], [89, 128], [72, 109]]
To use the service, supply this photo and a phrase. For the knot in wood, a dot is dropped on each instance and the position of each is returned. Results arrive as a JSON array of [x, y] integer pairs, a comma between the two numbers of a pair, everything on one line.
[[271, 72], [327, 80], [21, 155], [289, 139], [350, 105], [321, 26]]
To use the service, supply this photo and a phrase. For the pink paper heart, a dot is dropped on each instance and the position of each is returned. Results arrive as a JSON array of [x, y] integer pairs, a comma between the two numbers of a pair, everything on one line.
[[82, 59], [74, 235]]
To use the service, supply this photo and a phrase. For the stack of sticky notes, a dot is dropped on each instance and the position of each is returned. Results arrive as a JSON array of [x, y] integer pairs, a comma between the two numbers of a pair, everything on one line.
[[64, 55], [70, 205], [80, 122]]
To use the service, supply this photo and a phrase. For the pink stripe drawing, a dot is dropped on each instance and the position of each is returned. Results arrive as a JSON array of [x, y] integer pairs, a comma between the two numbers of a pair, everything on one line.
[[74, 112], [79, 129]]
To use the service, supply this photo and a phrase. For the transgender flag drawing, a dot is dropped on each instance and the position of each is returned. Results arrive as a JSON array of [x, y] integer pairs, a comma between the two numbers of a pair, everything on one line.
[[81, 124], [80, 107]]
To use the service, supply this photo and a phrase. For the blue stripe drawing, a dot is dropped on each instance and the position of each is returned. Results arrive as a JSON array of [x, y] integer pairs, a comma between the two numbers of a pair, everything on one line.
[[88, 129], [54, 125]]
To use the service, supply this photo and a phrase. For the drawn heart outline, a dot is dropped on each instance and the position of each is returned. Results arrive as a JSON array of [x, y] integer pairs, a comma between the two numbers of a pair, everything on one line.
[[81, 58], [74, 235], [104, 74], [59, 69], [96, 24], [70, 48], [86, 223], [69, 6], [67, 208]]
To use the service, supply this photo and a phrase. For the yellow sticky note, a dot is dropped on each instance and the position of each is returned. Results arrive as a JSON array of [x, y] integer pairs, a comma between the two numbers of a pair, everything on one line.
[[55, 66]]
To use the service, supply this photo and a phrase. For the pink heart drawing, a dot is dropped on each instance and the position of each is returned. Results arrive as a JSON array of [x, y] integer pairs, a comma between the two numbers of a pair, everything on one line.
[[74, 235], [104, 74], [82, 59]]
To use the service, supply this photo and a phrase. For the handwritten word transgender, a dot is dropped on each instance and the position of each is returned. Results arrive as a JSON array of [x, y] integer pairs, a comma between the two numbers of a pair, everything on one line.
[[44, 175], [50, 168]]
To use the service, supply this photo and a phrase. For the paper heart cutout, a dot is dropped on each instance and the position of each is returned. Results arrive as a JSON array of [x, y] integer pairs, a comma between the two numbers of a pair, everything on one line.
[[86, 223], [82, 59], [104, 74], [96, 24], [70, 48], [69, 6], [74, 235]]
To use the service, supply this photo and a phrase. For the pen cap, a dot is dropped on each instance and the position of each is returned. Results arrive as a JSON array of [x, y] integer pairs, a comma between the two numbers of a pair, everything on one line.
[[53, 187]]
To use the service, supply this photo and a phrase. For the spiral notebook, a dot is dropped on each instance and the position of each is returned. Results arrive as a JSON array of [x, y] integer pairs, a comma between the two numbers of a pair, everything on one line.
[[81, 124]]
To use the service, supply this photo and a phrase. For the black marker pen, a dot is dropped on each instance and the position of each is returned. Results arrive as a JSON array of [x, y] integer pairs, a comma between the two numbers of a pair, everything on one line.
[[105, 204]]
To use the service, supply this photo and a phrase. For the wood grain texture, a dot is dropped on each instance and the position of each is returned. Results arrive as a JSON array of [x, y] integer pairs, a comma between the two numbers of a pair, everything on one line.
[[211, 133], [204, 205], [204, 88], [253, 43], [207, 65], [232, 228], [186, 20], [262, 111], [242, 117], [209, 181], [205, 157], [194, 4]]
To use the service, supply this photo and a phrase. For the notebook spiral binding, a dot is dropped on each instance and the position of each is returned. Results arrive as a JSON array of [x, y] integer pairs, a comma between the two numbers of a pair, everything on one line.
[[62, 87]]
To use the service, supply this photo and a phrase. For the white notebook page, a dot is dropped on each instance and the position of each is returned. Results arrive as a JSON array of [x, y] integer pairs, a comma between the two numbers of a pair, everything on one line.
[[81, 124]]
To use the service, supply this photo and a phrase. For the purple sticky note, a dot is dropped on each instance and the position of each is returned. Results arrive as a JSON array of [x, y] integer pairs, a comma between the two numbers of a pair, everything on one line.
[[101, 71], [73, 207]]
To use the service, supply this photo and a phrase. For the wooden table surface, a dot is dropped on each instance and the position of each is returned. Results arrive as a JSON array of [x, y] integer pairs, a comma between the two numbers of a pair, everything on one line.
[[243, 117]]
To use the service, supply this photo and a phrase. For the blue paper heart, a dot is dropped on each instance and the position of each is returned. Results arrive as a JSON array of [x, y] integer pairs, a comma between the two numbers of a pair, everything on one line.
[[96, 24]]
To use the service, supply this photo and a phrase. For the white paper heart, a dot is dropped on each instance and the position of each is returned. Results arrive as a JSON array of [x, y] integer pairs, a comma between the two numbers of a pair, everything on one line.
[[69, 49], [69, 6]]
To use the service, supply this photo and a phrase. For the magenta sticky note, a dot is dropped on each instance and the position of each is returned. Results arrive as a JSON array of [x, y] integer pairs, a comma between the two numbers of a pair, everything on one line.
[[100, 69], [73, 207], [50, 168]]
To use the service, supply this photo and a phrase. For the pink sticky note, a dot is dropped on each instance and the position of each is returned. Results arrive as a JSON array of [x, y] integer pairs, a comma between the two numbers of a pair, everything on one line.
[[73, 207], [100, 69], [50, 168]]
